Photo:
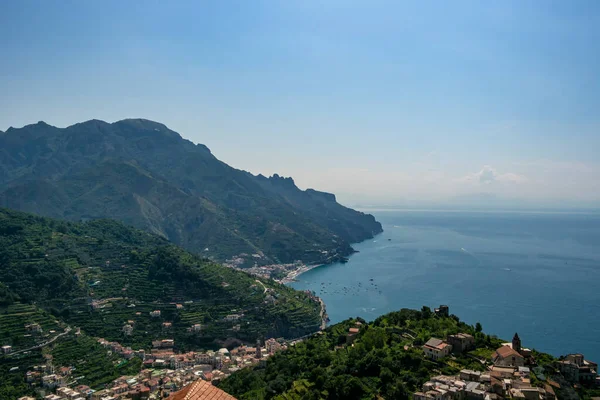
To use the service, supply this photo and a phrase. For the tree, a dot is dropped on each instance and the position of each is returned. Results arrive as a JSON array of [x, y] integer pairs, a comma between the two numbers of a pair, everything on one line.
[[426, 312], [478, 327]]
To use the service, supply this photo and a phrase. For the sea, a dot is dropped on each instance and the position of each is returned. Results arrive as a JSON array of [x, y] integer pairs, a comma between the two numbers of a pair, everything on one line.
[[535, 273]]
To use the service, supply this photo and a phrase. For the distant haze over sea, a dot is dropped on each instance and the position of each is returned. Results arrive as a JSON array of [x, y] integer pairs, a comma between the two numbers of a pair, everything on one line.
[[480, 201]]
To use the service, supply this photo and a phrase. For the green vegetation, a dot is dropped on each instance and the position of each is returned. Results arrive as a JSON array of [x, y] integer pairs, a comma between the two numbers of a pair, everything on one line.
[[92, 366], [385, 361], [12, 371], [14, 319], [144, 174], [101, 274]]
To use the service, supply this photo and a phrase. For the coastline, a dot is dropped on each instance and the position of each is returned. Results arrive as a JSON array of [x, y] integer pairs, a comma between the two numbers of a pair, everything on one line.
[[324, 316], [292, 275]]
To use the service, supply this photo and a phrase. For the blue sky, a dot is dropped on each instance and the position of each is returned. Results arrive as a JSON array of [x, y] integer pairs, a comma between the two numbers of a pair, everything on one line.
[[381, 102]]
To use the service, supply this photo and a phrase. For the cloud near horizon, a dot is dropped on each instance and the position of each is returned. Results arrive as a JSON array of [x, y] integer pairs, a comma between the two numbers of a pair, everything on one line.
[[488, 175]]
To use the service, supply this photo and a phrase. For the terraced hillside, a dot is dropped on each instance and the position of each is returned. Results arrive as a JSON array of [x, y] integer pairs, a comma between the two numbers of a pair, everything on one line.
[[91, 363], [103, 276], [24, 325]]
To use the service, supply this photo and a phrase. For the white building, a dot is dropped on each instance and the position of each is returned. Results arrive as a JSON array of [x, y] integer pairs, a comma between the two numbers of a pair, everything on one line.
[[128, 330], [436, 349]]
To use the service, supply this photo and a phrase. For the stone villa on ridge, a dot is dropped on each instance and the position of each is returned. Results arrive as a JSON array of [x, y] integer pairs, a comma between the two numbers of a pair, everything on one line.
[[443, 311], [576, 369], [461, 342]]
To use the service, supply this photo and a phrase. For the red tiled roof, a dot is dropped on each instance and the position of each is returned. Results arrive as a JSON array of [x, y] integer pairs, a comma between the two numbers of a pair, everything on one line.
[[436, 344], [201, 390], [506, 351]]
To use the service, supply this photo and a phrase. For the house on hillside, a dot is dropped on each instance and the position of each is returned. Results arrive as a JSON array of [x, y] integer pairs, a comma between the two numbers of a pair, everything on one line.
[[436, 349], [505, 356], [352, 333], [35, 328], [155, 313], [127, 329], [461, 342], [442, 310], [576, 369], [272, 346]]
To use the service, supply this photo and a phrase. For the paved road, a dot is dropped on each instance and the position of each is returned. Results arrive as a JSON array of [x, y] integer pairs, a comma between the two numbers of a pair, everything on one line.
[[67, 330], [263, 285]]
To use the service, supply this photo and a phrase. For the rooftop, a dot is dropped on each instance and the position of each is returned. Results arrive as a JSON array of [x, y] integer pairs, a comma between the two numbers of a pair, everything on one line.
[[201, 390], [436, 344], [462, 336], [505, 352]]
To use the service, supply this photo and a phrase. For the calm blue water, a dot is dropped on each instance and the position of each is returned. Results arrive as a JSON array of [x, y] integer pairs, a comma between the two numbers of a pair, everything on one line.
[[537, 274]]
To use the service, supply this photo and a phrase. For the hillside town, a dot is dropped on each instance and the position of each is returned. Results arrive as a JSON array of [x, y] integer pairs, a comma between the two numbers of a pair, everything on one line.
[[164, 371], [512, 372]]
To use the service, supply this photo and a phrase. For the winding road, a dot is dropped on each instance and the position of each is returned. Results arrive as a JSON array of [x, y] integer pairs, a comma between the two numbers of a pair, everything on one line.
[[37, 346]]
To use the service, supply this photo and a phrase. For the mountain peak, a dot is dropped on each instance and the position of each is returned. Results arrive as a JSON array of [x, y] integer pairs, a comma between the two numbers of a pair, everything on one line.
[[281, 180], [39, 124], [91, 122], [30, 131], [146, 125]]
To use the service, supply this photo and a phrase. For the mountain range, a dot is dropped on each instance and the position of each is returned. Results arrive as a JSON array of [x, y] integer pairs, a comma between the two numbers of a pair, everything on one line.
[[144, 174]]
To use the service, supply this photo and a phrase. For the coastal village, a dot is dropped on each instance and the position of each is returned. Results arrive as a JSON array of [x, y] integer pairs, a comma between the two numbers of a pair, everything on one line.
[[511, 372], [282, 273]]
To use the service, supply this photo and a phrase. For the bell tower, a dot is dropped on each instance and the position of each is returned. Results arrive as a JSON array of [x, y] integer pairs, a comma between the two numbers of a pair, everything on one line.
[[516, 343], [258, 349]]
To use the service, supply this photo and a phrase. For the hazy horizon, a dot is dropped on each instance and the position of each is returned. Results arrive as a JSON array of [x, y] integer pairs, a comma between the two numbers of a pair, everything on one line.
[[381, 103]]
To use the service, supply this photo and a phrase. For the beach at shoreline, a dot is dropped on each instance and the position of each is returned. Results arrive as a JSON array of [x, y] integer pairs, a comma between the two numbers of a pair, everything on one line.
[[292, 275]]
